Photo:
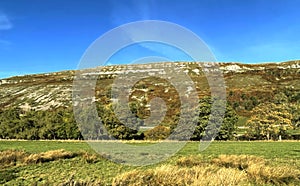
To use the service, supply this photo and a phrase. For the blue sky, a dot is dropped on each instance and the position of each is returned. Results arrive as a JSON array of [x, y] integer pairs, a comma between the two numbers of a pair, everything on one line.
[[52, 35]]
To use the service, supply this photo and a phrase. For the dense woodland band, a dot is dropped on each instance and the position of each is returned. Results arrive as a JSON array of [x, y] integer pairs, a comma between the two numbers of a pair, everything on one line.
[[277, 120]]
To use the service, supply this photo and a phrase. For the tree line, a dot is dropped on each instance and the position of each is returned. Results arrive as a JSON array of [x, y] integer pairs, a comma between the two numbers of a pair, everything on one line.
[[60, 123], [268, 121]]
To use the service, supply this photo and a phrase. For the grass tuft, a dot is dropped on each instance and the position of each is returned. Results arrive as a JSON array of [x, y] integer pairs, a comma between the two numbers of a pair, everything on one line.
[[91, 158], [258, 170], [224, 170], [279, 175], [180, 176], [11, 157], [241, 162], [48, 156], [190, 161]]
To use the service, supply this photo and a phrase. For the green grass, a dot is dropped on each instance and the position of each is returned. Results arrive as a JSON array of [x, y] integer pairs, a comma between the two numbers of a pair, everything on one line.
[[269, 150], [43, 146], [64, 170]]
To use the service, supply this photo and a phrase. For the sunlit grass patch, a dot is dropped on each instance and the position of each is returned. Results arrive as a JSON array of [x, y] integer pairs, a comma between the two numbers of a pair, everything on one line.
[[241, 162], [224, 170], [258, 170], [278, 175], [176, 175], [19, 157], [190, 161], [11, 157], [49, 156]]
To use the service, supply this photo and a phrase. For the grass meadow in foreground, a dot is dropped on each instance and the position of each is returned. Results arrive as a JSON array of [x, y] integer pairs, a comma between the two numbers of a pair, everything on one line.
[[222, 163]]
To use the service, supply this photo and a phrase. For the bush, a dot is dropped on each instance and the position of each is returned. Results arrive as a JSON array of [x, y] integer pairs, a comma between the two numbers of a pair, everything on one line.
[[157, 133]]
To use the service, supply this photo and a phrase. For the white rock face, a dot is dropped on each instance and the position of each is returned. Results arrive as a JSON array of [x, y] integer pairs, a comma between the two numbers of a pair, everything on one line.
[[2, 82], [26, 107], [233, 68], [295, 66], [196, 71]]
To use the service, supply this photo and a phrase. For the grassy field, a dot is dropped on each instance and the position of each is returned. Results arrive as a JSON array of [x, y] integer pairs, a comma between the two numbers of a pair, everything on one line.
[[243, 163]]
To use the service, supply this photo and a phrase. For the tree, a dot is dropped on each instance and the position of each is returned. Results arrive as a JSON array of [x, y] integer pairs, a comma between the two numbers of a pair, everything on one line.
[[228, 128], [90, 126], [223, 125], [269, 121], [295, 111], [127, 128], [10, 125], [203, 118]]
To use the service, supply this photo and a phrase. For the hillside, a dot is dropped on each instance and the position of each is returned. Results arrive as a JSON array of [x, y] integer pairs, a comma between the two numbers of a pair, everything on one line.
[[246, 85], [41, 106]]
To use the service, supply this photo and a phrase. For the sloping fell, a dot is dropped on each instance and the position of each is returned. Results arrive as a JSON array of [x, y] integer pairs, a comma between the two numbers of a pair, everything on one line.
[[247, 85]]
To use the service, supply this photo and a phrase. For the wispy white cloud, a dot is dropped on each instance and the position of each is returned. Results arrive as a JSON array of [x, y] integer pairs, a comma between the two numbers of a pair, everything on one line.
[[5, 42], [128, 11], [167, 51], [5, 23]]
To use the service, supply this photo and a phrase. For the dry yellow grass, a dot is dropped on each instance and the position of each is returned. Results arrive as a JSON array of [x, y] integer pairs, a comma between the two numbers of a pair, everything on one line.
[[279, 175], [238, 161], [90, 158], [225, 170], [258, 170], [174, 175], [48, 156], [14, 157], [11, 157], [190, 161]]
